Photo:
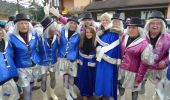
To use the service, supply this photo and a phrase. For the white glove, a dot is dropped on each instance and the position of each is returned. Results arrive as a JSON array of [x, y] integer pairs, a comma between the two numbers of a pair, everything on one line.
[[46, 9], [99, 53], [98, 49], [55, 12]]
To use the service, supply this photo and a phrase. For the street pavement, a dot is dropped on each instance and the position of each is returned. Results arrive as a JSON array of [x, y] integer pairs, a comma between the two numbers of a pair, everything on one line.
[[37, 95]]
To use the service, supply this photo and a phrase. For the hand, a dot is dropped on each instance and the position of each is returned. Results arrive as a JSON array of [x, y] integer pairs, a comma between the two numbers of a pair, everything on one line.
[[162, 64], [136, 84], [98, 49], [58, 33], [121, 32], [46, 9], [55, 12], [7, 28], [117, 30], [119, 65]]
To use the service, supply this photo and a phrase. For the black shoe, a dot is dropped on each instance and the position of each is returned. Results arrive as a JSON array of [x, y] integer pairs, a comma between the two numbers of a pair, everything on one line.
[[35, 88]]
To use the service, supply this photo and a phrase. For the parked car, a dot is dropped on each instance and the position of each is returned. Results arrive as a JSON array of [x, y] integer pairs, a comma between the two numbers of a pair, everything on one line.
[[168, 25]]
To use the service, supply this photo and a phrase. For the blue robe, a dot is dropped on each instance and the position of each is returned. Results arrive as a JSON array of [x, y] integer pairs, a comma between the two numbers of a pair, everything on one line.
[[106, 73], [168, 72], [86, 75]]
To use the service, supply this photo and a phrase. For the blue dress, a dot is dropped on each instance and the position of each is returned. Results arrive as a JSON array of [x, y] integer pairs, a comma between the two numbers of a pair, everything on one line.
[[86, 74], [107, 73]]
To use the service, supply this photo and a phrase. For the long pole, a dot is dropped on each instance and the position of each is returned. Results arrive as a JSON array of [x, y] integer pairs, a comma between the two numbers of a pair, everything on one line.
[[18, 6]]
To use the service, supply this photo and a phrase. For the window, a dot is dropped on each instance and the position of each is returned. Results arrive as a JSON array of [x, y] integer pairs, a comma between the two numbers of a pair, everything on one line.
[[145, 14], [97, 0]]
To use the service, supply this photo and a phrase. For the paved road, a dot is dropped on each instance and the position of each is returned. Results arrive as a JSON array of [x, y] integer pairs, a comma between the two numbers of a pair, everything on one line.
[[60, 92]]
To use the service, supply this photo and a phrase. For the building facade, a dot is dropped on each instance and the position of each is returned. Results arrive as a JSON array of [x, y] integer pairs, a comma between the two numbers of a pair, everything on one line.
[[129, 8], [73, 6]]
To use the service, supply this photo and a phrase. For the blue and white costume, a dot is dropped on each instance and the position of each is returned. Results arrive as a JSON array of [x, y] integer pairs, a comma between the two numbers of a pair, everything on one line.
[[8, 88], [68, 53], [48, 47], [48, 54], [26, 56]]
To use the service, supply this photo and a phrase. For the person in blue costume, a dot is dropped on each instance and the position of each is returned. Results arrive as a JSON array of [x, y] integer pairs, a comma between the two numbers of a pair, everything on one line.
[[48, 44], [108, 57], [10, 24], [24, 41], [168, 70], [68, 55], [167, 82], [8, 88], [87, 63]]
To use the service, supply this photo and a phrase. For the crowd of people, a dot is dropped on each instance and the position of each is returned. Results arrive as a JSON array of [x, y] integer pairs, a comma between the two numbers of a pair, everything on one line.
[[101, 60]]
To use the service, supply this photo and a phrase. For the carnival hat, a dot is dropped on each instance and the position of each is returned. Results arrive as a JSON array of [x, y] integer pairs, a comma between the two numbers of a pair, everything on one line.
[[87, 15], [73, 18], [116, 16], [11, 18], [20, 17], [47, 21], [135, 21], [2, 24], [157, 14]]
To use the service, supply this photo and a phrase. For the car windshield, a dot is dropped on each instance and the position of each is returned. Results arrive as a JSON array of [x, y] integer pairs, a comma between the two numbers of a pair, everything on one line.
[[168, 23]]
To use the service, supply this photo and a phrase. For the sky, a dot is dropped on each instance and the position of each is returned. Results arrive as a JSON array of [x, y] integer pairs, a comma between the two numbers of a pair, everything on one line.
[[26, 3]]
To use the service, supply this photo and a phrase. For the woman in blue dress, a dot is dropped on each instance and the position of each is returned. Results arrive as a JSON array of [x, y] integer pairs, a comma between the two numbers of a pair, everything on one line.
[[87, 63], [108, 57]]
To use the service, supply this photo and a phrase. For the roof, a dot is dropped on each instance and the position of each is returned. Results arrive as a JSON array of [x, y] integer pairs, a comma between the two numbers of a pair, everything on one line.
[[113, 4]]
